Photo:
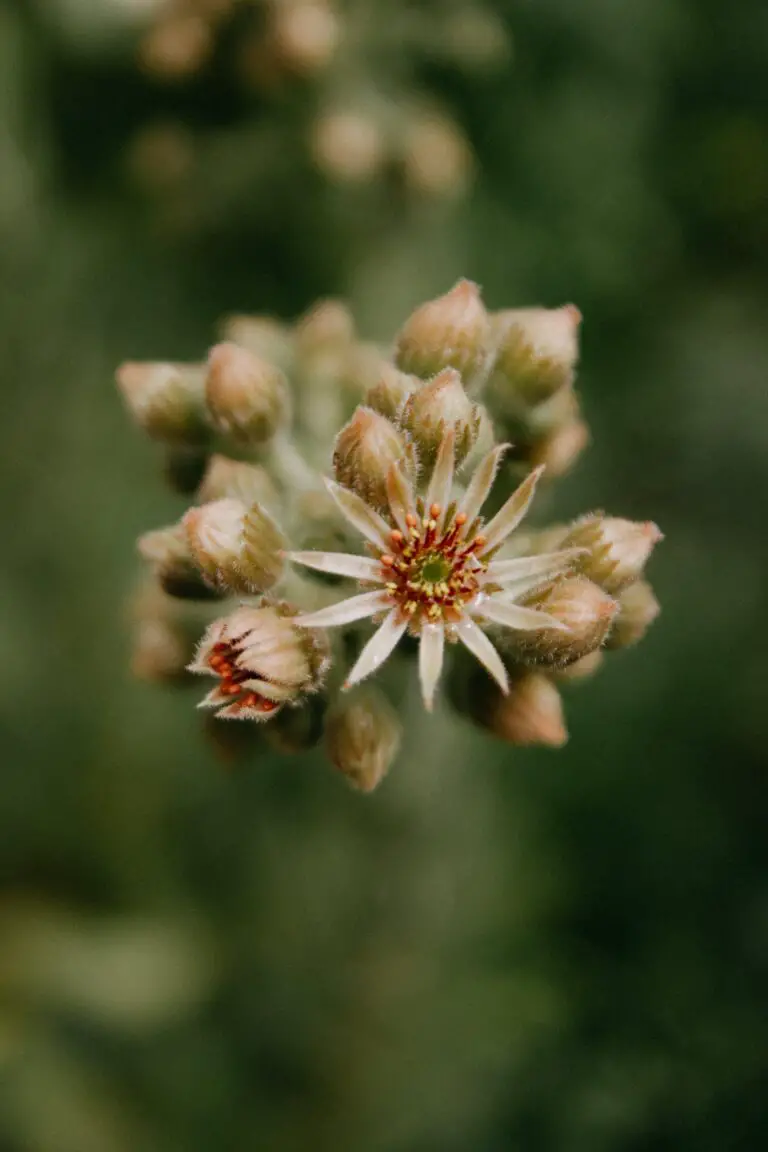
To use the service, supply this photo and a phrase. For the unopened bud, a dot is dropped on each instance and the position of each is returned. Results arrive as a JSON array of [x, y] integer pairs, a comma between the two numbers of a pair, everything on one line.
[[638, 608], [328, 324], [262, 661], [263, 336], [249, 483], [348, 146], [581, 669], [391, 391], [166, 400], [617, 550], [237, 548], [247, 397], [560, 450], [449, 332], [434, 409], [437, 160], [161, 651], [365, 450], [537, 351], [587, 613], [531, 713], [167, 550], [362, 738]]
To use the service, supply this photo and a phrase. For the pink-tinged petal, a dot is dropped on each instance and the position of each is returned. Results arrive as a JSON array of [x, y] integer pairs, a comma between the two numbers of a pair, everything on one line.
[[380, 645], [400, 496], [501, 611], [441, 481], [339, 564], [345, 612], [360, 515], [431, 646], [481, 483], [510, 514], [481, 648], [546, 566]]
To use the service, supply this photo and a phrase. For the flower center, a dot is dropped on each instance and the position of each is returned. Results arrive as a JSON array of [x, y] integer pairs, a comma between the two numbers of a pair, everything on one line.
[[223, 661], [432, 572]]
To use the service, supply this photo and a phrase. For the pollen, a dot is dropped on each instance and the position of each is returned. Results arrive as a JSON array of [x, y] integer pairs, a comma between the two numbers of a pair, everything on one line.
[[223, 661]]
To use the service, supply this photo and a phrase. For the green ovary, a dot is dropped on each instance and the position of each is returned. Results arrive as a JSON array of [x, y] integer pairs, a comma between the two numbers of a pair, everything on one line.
[[434, 569]]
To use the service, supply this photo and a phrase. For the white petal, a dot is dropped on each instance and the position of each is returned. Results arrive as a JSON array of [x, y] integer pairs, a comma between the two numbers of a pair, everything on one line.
[[510, 514], [547, 565], [441, 481], [500, 611], [431, 645], [345, 612], [481, 648], [481, 483], [340, 564], [360, 515], [378, 648], [400, 496]]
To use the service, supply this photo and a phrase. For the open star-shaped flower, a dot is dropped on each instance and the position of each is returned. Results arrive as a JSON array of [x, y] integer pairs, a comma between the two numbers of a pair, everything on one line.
[[431, 571]]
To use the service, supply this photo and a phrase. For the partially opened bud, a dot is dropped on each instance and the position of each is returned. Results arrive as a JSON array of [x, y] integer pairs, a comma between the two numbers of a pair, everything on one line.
[[237, 548], [638, 608], [616, 550], [586, 611], [167, 550], [560, 450], [532, 712], [247, 482], [166, 400], [537, 350], [391, 391], [262, 661], [247, 397], [362, 737], [450, 332], [365, 450], [434, 409]]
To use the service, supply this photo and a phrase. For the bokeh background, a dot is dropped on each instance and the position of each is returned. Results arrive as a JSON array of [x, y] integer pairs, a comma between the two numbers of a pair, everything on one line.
[[501, 948]]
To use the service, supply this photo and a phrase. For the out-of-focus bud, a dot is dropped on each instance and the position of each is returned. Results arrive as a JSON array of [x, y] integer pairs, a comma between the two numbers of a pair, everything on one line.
[[237, 548], [449, 332], [560, 450], [263, 336], [305, 35], [166, 400], [365, 450], [362, 738], [638, 608], [532, 712], [391, 391], [184, 468], [348, 146], [436, 158], [617, 550], [161, 651], [177, 47], [537, 351], [167, 550], [247, 397], [249, 483], [262, 660], [434, 409], [580, 669], [327, 325], [586, 611]]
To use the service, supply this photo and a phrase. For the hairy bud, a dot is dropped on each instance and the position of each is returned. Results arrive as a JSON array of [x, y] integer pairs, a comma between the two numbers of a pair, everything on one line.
[[449, 332], [262, 661], [390, 392], [167, 550], [531, 713], [365, 450], [586, 611], [328, 324], [537, 350], [362, 737], [435, 408], [166, 400], [247, 397], [247, 482], [616, 550], [638, 608], [237, 548]]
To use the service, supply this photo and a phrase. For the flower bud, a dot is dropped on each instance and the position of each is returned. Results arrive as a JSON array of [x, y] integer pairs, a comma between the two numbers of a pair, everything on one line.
[[436, 157], [262, 661], [263, 336], [249, 483], [328, 324], [247, 397], [362, 737], [348, 146], [364, 452], [305, 35], [581, 669], [167, 550], [537, 351], [638, 608], [532, 712], [391, 391], [166, 400], [617, 550], [560, 450], [449, 332], [437, 407], [161, 651], [584, 608], [237, 548]]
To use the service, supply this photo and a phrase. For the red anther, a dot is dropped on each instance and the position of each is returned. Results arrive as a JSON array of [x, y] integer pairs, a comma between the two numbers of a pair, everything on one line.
[[434, 511], [396, 537], [460, 519], [411, 520], [387, 560]]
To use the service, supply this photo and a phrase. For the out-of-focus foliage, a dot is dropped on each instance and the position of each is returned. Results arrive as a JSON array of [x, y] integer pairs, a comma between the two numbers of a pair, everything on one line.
[[498, 950]]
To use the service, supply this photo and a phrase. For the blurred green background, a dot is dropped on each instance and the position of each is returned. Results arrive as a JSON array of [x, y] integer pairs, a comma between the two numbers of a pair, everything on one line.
[[502, 948]]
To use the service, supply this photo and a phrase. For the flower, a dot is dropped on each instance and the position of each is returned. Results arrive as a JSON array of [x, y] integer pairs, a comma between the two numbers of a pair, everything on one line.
[[431, 571]]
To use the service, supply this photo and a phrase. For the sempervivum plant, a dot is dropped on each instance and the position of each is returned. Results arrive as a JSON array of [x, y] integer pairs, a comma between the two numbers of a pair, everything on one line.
[[290, 587]]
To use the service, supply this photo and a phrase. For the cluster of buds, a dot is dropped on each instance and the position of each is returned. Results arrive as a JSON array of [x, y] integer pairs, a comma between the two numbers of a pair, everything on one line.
[[287, 568]]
